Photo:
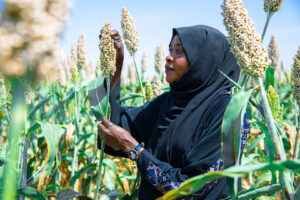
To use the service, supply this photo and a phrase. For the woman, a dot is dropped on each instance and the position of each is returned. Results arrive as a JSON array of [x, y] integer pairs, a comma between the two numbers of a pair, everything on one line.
[[181, 129]]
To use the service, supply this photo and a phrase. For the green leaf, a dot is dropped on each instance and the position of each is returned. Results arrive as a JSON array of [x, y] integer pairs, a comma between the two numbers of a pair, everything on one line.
[[270, 146], [30, 193], [196, 183], [256, 192], [109, 181], [270, 79], [40, 104], [52, 134], [68, 194], [81, 171], [35, 176], [297, 193], [98, 98], [255, 143], [261, 179], [231, 126], [131, 96]]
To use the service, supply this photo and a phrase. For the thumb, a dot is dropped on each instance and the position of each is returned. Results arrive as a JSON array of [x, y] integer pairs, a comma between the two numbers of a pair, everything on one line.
[[106, 122]]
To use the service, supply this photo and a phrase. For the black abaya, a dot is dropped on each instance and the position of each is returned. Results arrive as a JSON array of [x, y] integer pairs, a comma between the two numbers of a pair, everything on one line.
[[181, 129]]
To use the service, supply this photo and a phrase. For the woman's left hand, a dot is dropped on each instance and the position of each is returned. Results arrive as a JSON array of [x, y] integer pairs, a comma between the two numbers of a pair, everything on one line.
[[115, 136]]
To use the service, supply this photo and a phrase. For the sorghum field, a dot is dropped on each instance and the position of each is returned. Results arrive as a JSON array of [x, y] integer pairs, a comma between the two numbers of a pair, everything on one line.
[[48, 129]]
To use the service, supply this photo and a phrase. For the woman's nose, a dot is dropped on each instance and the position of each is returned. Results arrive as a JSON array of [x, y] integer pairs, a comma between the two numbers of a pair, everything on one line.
[[169, 58]]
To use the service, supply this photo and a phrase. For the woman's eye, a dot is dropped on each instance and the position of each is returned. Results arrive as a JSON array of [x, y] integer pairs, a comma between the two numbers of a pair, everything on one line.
[[179, 51]]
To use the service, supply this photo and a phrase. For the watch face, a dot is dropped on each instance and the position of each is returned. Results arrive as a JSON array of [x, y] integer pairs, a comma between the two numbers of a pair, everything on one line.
[[132, 155]]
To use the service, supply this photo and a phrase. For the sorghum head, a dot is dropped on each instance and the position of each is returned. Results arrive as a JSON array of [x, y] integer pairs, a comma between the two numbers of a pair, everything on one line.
[[74, 57], [149, 91], [144, 63], [35, 31], [157, 86], [273, 53], [81, 52], [130, 32], [272, 5], [274, 102], [245, 42], [107, 53], [75, 73], [159, 59], [62, 76], [296, 76]]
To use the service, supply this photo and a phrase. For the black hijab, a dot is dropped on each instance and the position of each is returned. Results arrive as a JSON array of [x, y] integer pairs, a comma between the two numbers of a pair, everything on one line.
[[183, 118]]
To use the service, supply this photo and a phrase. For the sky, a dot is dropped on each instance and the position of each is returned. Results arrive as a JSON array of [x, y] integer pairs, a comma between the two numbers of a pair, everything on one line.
[[155, 19]]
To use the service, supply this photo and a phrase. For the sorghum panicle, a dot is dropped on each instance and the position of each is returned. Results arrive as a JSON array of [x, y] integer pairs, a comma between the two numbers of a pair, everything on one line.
[[159, 59], [75, 73], [62, 76], [157, 86], [144, 63], [274, 102], [296, 76], [149, 91], [273, 53], [81, 52], [28, 93], [272, 5], [35, 31], [130, 32], [245, 42], [74, 57], [107, 53]]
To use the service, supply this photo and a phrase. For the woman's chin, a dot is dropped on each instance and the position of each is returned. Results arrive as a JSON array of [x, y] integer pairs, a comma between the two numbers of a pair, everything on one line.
[[170, 79]]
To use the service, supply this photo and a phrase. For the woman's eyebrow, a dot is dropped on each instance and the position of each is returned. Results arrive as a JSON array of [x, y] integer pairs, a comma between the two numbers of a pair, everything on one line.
[[175, 45]]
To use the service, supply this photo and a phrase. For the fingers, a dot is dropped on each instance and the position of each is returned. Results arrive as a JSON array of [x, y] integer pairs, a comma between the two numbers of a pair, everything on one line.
[[106, 122], [101, 128], [115, 34]]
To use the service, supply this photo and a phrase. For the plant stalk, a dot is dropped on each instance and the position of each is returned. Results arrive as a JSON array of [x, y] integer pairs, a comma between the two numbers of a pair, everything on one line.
[[102, 142], [269, 15], [138, 75], [75, 158], [296, 146], [15, 132], [284, 177]]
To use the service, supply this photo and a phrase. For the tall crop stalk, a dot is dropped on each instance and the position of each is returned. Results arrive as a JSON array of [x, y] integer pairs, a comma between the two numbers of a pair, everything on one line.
[[15, 132], [296, 146], [102, 142], [77, 133], [138, 75], [269, 15], [278, 147]]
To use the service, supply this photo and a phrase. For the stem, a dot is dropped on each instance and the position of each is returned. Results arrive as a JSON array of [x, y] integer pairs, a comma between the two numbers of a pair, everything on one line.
[[296, 147], [285, 178], [138, 75], [23, 180], [53, 98], [75, 159], [269, 15], [102, 142], [15, 132]]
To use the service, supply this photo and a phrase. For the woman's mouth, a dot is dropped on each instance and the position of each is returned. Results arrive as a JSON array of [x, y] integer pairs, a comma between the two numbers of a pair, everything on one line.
[[169, 69]]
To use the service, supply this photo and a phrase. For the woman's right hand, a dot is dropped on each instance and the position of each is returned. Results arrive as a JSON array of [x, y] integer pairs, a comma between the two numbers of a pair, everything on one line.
[[118, 46], [119, 57]]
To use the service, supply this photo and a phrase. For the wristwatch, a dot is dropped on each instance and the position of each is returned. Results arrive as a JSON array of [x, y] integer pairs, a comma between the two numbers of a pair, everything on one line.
[[133, 153]]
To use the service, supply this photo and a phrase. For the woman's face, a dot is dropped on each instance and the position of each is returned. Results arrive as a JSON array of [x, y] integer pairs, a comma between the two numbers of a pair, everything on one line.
[[176, 61]]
